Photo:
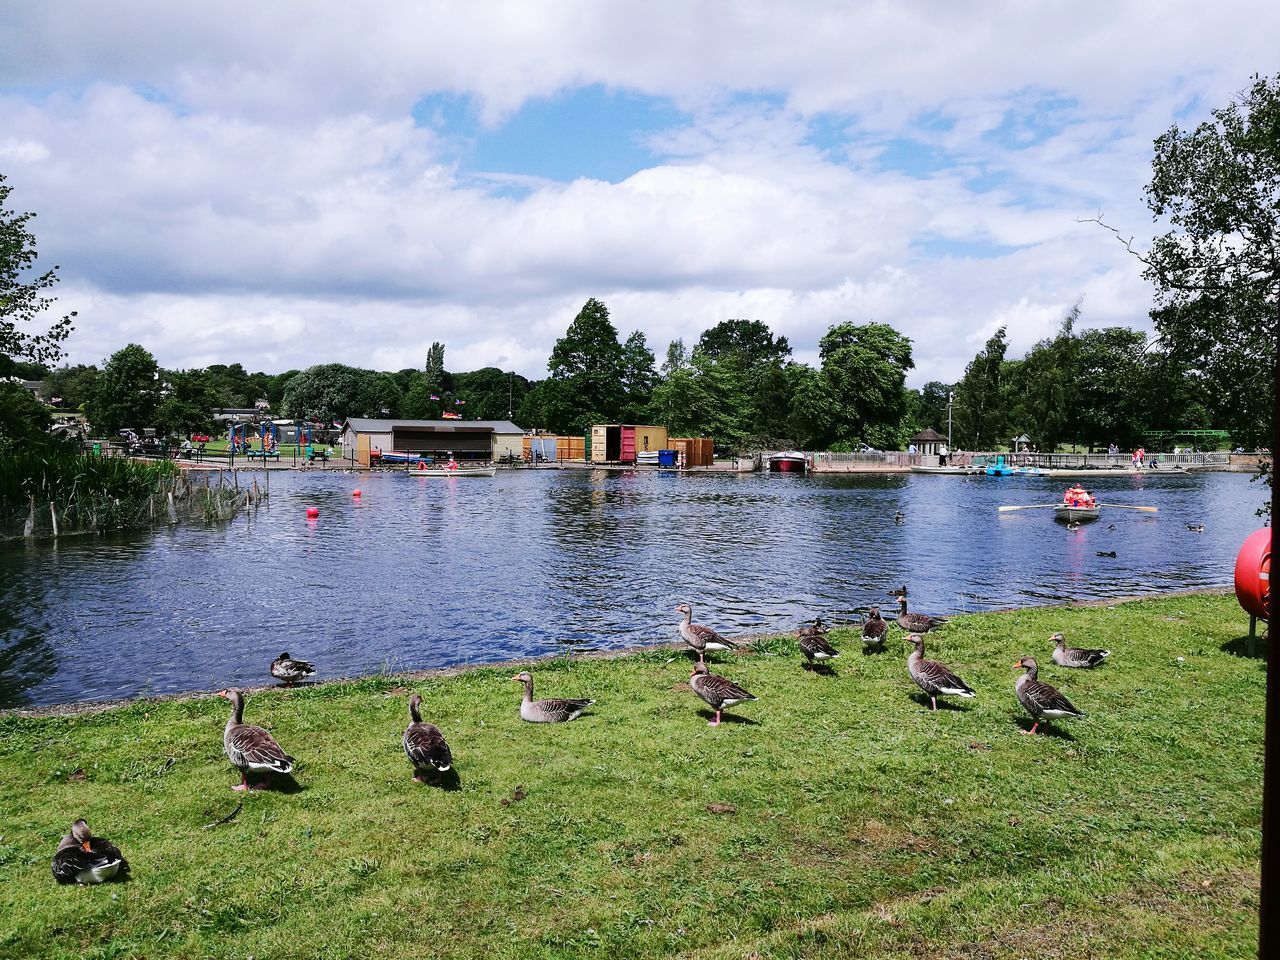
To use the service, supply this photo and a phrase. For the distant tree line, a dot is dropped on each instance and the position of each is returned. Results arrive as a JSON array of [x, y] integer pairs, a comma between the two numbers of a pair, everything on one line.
[[738, 384]]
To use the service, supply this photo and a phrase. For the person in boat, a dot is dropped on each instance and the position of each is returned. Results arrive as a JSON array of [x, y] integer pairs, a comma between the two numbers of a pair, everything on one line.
[[1078, 496], [452, 464]]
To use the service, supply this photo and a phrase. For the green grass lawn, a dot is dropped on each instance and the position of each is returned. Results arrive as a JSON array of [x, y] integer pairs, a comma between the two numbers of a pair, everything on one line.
[[837, 818]]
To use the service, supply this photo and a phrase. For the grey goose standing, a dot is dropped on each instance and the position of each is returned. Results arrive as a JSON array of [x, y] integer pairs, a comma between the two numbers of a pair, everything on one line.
[[249, 747], [931, 676], [719, 692], [83, 858], [874, 629], [916, 622], [547, 711], [700, 639], [425, 745], [1065, 656], [1038, 698], [814, 644]]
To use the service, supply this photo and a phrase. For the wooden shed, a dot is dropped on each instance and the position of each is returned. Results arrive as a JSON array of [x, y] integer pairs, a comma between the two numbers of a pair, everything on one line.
[[927, 441], [485, 440], [620, 443]]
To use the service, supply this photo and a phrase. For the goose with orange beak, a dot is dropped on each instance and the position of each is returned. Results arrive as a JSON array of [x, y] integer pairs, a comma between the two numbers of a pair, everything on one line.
[[1041, 700]]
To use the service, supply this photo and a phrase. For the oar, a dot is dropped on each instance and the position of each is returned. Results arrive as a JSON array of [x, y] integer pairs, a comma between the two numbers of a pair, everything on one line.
[[1030, 506], [1125, 506]]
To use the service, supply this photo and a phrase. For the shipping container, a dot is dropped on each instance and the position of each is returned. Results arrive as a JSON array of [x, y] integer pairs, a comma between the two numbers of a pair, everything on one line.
[[619, 443]]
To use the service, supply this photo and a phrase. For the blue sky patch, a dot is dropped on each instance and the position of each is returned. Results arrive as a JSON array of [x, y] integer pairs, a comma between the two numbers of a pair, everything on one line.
[[588, 132]]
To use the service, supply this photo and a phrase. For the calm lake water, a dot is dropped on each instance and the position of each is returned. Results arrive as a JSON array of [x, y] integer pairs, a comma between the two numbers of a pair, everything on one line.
[[425, 573]]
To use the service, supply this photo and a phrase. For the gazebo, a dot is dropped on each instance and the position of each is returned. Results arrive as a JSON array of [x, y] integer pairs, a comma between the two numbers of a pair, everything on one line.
[[927, 441]]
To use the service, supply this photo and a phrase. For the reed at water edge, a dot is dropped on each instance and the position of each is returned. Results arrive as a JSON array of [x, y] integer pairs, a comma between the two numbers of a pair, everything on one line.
[[54, 492]]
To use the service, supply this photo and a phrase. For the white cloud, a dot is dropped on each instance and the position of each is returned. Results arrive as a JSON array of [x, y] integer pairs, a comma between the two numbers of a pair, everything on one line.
[[245, 182]]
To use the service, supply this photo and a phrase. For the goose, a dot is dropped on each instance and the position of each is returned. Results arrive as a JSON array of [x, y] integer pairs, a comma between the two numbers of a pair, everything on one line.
[[1106, 553], [916, 622], [719, 692], [1039, 699], [874, 629], [249, 747], [83, 858], [815, 646], [1196, 527], [1065, 656], [899, 517], [700, 639], [285, 668], [424, 745], [1073, 524], [547, 711], [815, 629], [931, 676]]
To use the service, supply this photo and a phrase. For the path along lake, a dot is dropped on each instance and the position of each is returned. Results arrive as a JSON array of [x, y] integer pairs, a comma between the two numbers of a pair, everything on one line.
[[420, 573]]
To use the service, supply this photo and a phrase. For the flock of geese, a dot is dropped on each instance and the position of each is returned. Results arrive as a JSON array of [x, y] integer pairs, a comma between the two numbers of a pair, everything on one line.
[[82, 858]]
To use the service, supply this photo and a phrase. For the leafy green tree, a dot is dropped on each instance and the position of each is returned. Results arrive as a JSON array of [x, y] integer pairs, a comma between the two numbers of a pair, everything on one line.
[[866, 366], [1217, 268], [931, 405], [71, 386], [24, 420], [24, 295], [489, 393], [814, 411], [750, 341], [433, 369], [329, 393], [417, 403], [978, 408], [638, 377], [587, 366], [188, 403], [127, 392], [1110, 365]]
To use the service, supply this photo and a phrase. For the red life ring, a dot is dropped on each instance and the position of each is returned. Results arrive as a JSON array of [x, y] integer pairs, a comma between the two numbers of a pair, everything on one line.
[[1253, 574]]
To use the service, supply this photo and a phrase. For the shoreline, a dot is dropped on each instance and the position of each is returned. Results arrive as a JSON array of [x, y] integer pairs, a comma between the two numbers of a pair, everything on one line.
[[78, 708]]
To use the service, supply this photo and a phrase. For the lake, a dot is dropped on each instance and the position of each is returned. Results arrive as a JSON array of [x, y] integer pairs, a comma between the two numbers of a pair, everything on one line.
[[420, 573]]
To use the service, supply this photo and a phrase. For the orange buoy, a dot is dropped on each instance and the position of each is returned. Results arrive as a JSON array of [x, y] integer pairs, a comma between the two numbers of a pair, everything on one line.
[[313, 512], [1253, 574], [355, 493]]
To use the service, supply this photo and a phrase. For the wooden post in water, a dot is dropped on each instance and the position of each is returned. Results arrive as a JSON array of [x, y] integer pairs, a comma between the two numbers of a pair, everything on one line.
[[53, 516]]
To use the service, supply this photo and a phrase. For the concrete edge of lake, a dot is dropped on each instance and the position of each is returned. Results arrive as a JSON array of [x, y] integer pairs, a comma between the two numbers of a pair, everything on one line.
[[84, 708]]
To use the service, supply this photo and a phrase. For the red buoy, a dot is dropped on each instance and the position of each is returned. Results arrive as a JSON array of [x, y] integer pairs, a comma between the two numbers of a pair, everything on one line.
[[1253, 574], [355, 493], [313, 511]]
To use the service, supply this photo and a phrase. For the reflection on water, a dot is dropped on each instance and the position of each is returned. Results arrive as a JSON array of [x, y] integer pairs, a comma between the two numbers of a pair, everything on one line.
[[423, 572]]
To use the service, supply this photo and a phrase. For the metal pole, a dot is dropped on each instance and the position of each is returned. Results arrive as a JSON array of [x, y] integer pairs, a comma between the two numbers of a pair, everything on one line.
[[1269, 895], [950, 398]]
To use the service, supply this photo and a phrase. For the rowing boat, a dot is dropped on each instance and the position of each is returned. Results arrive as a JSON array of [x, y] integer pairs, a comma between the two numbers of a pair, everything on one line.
[[1073, 514], [457, 472]]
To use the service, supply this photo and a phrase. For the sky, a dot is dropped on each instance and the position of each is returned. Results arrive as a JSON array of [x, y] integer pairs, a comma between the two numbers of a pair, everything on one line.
[[294, 183]]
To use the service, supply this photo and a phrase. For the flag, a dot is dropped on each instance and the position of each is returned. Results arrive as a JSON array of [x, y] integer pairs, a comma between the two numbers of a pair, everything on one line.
[[434, 397], [450, 415], [458, 403]]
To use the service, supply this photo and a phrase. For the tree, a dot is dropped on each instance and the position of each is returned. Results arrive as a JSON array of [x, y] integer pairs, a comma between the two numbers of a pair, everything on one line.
[[24, 296], [188, 403], [24, 420], [70, 386], [749, 340], [931, 406], [977, 412], [433, 369], [127, 392], [489, 393], [866, 367], [1217, 268], [327, 393], [638, 377], [587, 366]]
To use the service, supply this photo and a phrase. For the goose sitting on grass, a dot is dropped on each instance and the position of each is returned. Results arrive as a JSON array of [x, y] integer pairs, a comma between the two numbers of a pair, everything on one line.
[[83, 858], [249, 747], [719, 692], [285, 668], [1065, 656], [425, 745], [1038, 698], [547, 711], [931, 676]]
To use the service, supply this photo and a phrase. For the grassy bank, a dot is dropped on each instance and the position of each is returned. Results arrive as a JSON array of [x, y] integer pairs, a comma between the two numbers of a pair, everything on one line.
[[837, 818]]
